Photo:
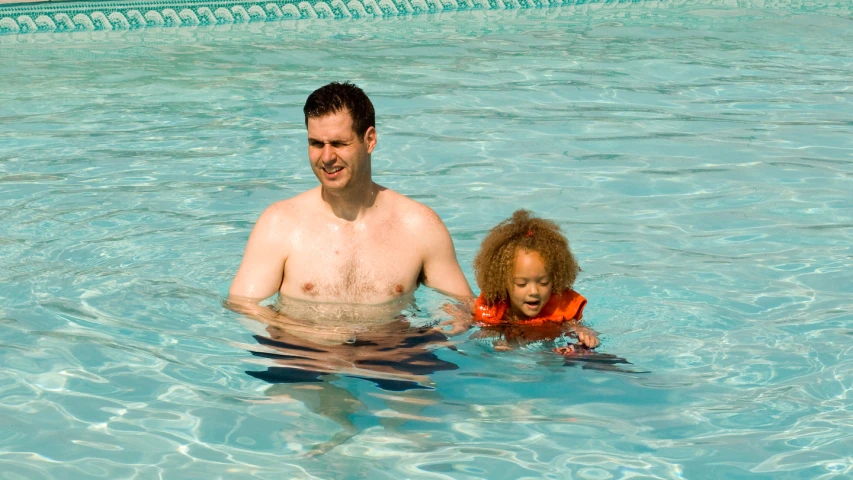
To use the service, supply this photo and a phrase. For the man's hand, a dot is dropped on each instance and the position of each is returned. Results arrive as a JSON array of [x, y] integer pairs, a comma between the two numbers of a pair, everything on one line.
[[460, 321]]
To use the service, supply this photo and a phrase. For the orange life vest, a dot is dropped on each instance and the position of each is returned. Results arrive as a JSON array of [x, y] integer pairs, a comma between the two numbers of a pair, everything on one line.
[[565, 306]]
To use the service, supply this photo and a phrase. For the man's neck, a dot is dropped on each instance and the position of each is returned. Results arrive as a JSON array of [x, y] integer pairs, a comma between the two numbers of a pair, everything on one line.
[[351, 204]]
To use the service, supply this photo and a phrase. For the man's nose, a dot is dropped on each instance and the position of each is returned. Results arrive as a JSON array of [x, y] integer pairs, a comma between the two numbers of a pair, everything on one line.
[[327, 154]]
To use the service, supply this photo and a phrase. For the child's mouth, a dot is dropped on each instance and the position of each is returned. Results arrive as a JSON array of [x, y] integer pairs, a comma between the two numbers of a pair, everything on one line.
[[533, 305]]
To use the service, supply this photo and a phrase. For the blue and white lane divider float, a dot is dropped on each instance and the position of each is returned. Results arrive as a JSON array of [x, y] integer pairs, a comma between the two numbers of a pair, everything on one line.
[[72, 16], [127, 15]]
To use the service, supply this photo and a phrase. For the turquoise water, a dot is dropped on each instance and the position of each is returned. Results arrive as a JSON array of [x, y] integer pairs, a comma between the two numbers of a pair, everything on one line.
[[699, 158]]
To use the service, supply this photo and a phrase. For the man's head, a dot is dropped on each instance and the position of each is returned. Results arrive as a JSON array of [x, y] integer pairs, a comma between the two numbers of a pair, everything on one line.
[[339, 98], [341, 136]]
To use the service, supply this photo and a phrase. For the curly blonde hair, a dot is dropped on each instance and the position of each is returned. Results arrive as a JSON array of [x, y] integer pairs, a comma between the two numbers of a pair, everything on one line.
[[494, 263]]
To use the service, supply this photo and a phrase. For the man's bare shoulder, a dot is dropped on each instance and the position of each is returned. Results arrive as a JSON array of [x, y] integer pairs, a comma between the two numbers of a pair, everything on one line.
[[426, 236], [413, 214], [288, 211], [416, 222]]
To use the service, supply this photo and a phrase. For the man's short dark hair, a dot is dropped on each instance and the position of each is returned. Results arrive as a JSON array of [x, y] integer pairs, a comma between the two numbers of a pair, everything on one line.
[[338, 97]]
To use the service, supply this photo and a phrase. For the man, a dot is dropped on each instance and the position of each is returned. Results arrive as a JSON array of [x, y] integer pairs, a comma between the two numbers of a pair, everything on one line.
[[349, 240]]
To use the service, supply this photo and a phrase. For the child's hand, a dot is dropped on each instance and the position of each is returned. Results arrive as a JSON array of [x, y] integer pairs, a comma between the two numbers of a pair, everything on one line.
[[586, 336], [568, 350]]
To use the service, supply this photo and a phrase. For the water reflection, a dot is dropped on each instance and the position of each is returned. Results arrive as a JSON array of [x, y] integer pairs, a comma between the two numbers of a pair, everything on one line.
[[308, 347], [386, 343], [556, 337], [395, 356]]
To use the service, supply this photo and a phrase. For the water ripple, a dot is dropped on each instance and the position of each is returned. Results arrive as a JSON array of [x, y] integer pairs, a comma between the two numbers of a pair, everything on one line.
[[699, 160]]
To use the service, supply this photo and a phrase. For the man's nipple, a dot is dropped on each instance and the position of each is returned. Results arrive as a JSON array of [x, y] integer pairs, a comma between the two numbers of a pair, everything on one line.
[[309, 289]]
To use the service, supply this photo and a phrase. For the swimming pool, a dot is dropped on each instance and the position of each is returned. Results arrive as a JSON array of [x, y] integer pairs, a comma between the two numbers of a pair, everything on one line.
[[698, 157]]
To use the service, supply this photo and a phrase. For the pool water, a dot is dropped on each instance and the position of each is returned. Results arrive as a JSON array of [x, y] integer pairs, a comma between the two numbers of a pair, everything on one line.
[[699, 157]]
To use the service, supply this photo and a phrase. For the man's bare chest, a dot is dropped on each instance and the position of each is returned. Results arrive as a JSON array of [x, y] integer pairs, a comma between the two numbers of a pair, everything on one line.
[[356, 268]]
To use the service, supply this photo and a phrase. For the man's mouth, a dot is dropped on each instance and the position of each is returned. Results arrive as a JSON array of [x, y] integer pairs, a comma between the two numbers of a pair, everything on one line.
[[332, 170]]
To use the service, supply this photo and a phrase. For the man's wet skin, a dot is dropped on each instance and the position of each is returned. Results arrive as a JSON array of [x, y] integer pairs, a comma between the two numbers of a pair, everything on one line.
[[348, 240], [343, 317], [373, 259], [311, 290]]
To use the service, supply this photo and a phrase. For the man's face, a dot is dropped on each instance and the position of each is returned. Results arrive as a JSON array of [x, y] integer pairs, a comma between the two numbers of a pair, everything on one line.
[[339, 158]]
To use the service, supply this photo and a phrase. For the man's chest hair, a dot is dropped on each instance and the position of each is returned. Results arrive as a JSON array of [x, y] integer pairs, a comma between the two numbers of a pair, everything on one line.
[[355, 278]]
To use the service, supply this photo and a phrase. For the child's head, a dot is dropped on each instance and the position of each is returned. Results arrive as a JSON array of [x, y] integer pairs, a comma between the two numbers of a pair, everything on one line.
[[522, 261]]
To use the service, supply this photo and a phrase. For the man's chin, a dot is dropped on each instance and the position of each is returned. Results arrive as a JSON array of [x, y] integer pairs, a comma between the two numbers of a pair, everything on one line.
[[333, 185]]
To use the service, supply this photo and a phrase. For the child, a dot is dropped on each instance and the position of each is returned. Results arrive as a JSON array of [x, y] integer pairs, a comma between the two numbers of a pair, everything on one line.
[[525, 272]]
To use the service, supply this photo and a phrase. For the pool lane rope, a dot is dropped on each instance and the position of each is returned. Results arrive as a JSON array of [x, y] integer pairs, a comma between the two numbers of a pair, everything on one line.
[[71, 16], [119, 15]]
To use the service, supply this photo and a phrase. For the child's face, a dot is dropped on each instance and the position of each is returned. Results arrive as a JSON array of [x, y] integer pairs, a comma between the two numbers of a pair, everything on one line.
[[531, 285]]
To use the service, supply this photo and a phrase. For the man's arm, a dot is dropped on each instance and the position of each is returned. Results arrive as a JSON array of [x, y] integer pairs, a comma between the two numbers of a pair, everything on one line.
[[441, 272], [262, 269], [441, 269]]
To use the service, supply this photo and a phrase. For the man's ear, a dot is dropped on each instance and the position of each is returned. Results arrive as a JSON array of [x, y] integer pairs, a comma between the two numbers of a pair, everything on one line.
[[370, 139]]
